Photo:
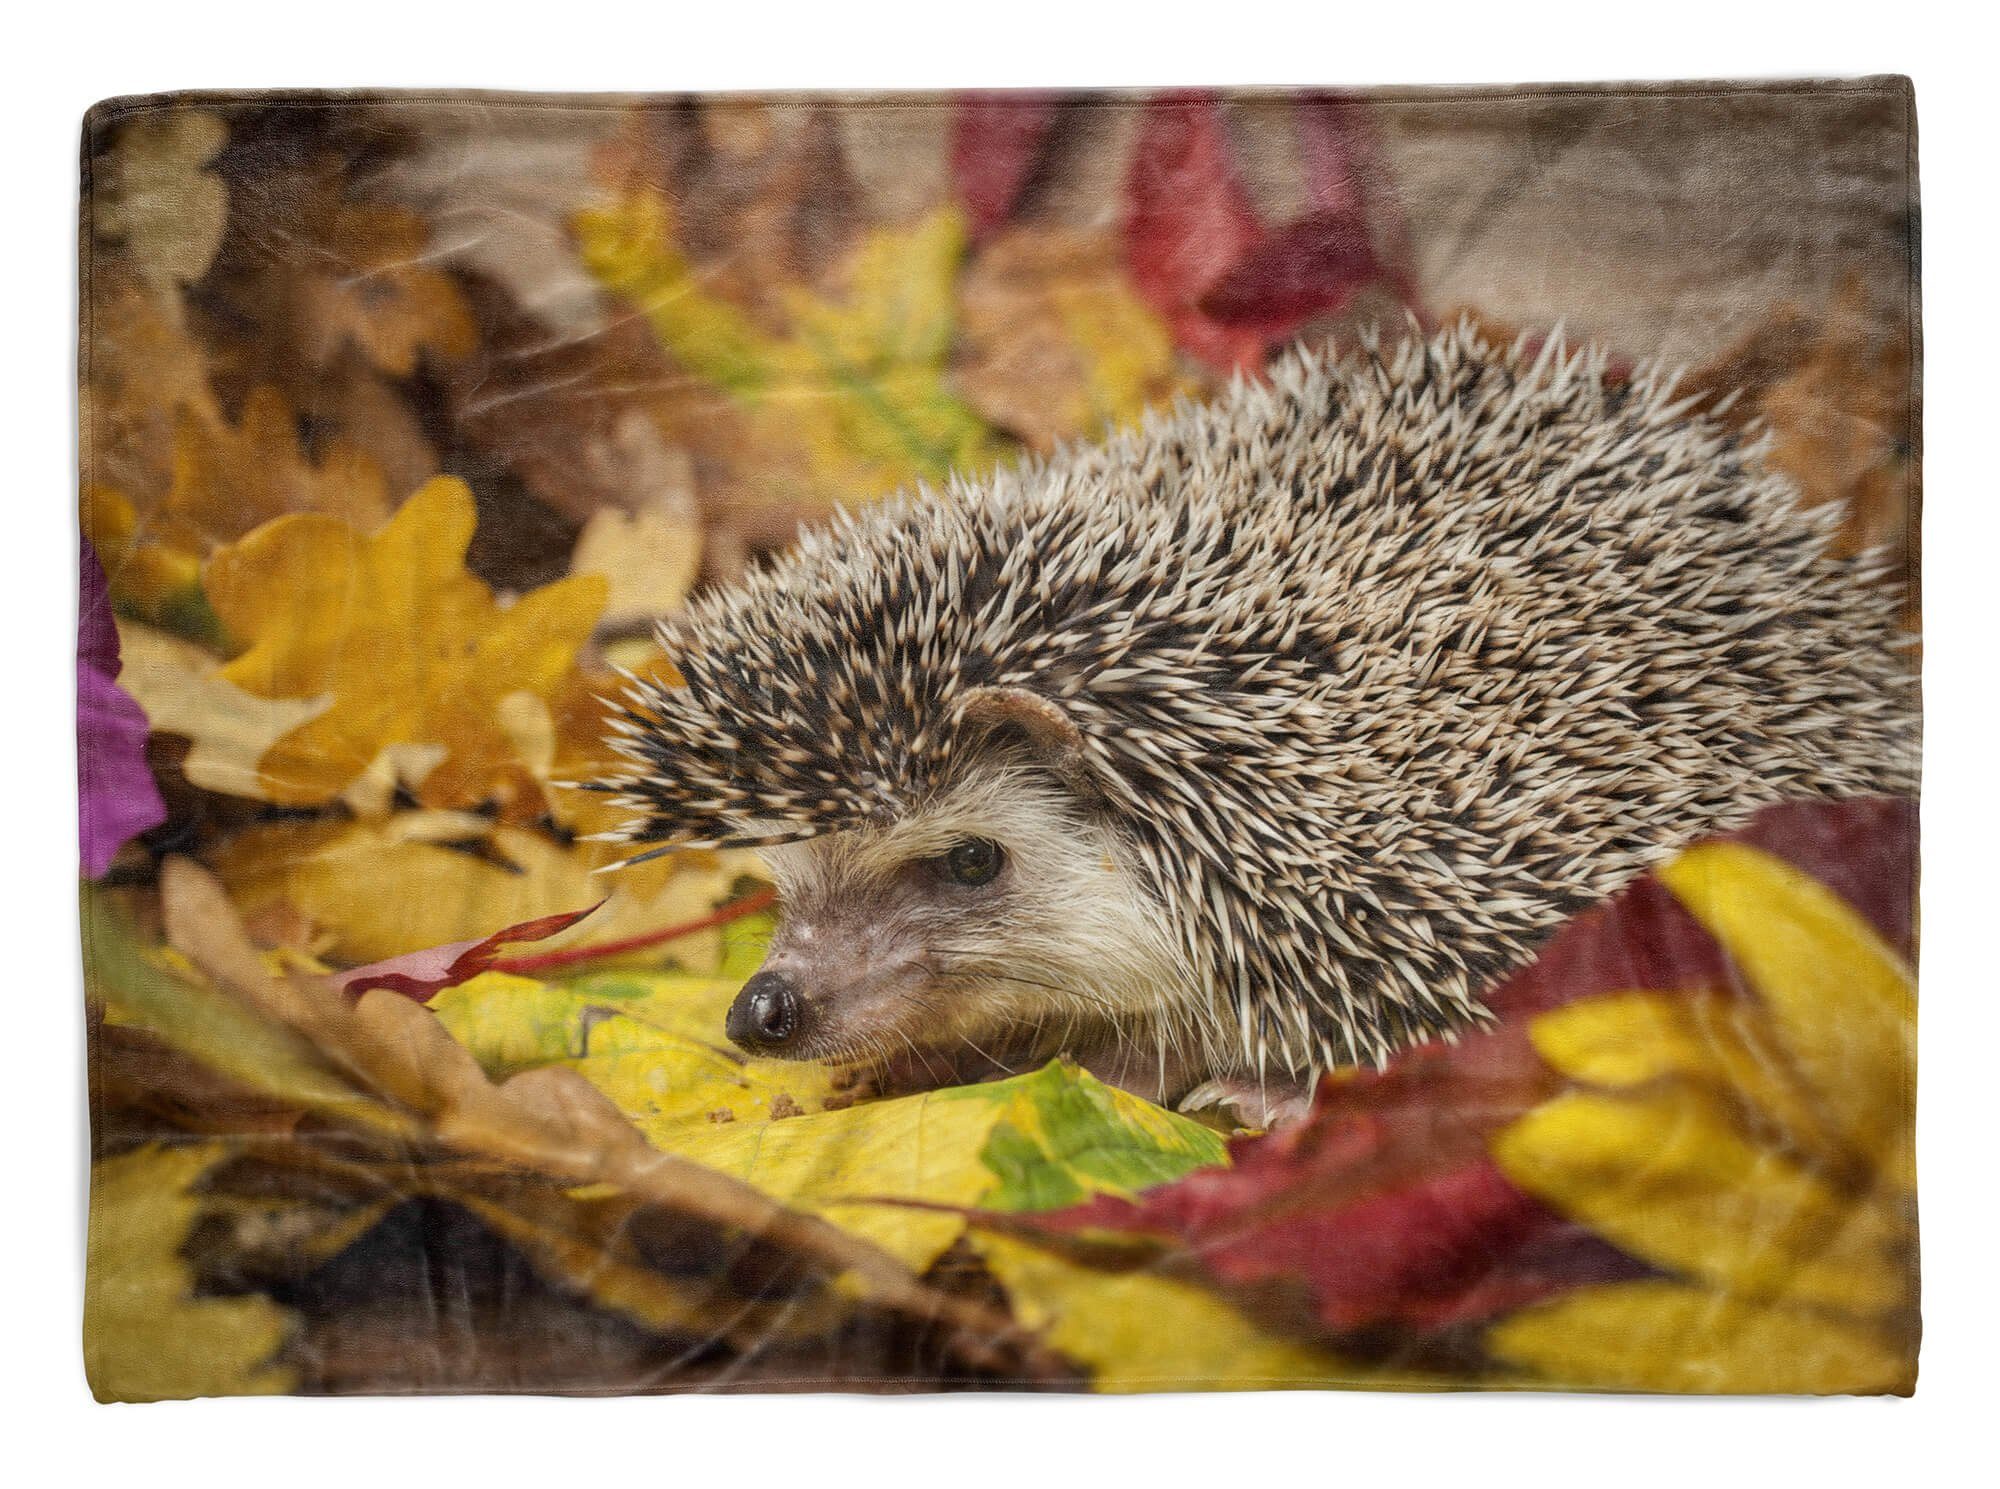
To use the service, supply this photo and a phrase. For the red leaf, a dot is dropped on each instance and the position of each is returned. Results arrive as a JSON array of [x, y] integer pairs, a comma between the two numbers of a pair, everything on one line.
[[1313, 266], [1188, 221], [996, 141], [1337, 149], [424, 974]]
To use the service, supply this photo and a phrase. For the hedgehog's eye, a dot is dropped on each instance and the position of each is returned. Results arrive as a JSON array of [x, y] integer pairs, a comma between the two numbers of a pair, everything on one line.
[[974, 862]]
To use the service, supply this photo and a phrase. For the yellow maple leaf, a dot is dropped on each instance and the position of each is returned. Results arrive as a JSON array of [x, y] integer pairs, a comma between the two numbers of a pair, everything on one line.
[[1755, 1149], [856, 383], [415, 652]]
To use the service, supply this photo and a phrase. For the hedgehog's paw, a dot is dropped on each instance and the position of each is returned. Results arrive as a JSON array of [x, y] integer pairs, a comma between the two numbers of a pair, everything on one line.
[[1263, 1104]]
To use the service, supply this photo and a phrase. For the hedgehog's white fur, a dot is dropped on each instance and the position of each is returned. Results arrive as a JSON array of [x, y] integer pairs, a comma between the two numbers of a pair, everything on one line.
[[1380, 669]]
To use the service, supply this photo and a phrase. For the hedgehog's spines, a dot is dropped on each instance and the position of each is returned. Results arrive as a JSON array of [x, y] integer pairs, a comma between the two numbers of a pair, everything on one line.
[[1380, 665]]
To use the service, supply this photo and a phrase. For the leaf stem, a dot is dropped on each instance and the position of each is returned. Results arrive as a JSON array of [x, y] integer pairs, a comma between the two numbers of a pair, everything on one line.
[[543, 961]]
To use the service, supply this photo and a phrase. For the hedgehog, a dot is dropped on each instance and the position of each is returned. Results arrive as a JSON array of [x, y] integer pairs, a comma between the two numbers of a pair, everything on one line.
[[1259, 740]]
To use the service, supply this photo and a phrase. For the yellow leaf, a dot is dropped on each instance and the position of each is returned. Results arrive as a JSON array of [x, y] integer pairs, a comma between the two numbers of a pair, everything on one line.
[[1052, 1137], [1141, 1331], [413, 649], [156, 580], [856, 383], [651, 1042], [1662, 1336], [861, 380], [231, 478], [1725, 1044], [418, 879], [832, 1163], [629, 245], [649, 558], [1841, 998], [179, 686], [146, 1337], [1666, 1176]]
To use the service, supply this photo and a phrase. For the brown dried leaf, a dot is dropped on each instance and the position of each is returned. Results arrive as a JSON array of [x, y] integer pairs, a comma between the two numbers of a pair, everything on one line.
[[1056, 345], [551, 1124]]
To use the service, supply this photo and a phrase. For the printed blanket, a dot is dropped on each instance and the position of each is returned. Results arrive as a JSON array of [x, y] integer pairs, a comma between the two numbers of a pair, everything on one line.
[[1082, 741]]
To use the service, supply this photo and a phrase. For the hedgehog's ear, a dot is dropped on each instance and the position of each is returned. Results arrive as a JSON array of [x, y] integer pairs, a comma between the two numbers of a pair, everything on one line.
[[1018, 716]]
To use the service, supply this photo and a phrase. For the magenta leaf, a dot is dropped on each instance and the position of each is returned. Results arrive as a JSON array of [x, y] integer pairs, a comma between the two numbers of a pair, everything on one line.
[[117, 798]]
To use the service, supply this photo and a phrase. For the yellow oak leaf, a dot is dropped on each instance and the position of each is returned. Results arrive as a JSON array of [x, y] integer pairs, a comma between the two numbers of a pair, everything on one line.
[[379, 889], [231, 478], [228, 729], [412, 649]]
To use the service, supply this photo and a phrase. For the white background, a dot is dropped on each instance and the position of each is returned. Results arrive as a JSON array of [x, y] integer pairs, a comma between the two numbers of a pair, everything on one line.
[[67, 56]]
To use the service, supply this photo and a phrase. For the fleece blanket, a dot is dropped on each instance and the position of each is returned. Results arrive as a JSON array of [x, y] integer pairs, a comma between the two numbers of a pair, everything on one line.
[[1109, 742]]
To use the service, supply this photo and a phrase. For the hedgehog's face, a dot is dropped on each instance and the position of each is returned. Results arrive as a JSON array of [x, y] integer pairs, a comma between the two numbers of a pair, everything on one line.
[[1001, 920]]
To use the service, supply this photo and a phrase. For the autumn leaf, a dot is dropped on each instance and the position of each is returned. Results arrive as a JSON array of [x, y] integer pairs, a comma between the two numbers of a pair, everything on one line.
[[146, 1336], [1313, 266], [416, 653], [423, 974], [180, 687], [1188, 221], [1831, 389], [1034, 1141], [1056, 344], [554, 1161], [390, 887], [1228, 283], [231, 478], [648, 558], [997, 139], [855, 384], [116, 797], [1759, 1156], [322, 271], [386, 297], [156, 197], [1139, 1329]]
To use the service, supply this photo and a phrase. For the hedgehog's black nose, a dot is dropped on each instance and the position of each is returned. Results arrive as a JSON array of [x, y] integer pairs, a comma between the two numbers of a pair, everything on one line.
[[766, 1014]]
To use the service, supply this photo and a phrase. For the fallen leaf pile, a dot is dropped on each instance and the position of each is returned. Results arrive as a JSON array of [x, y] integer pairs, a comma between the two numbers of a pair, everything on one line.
[[403, 421]]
